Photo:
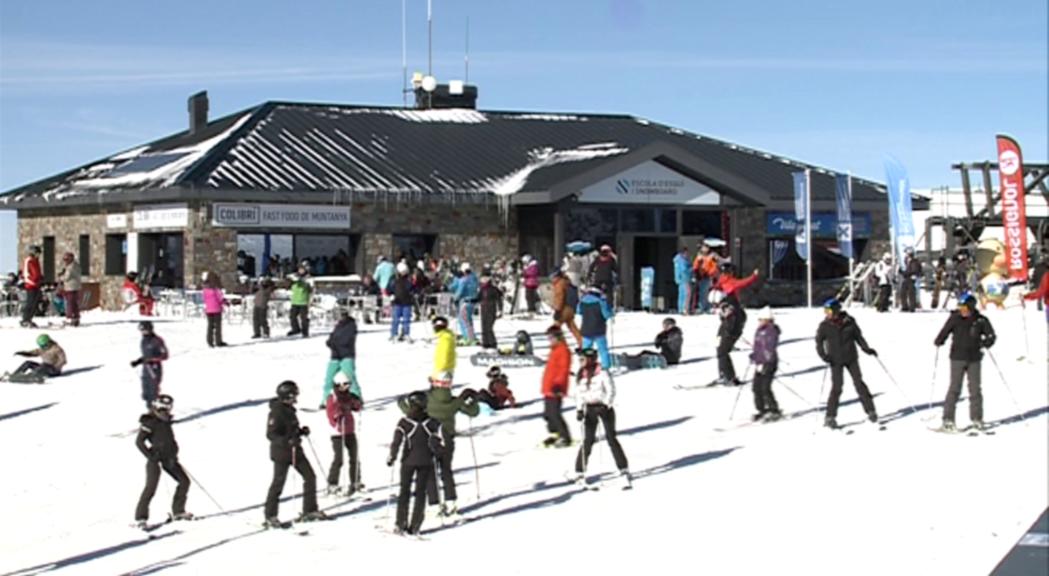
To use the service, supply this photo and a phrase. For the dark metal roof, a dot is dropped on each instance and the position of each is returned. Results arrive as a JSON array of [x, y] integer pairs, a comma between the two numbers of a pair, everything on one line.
[[282, 147]]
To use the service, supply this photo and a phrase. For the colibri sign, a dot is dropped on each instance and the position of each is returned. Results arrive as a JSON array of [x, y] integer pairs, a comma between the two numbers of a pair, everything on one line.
[[312, 216], [649, 183]]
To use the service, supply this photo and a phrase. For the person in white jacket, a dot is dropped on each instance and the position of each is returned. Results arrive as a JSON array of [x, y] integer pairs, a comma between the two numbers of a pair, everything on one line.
[[595, 396], [883, 274]]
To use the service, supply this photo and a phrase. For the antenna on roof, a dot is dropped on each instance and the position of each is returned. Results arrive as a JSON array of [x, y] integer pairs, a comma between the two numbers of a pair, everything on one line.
[[467, 57], [429, 37], [404, 54]]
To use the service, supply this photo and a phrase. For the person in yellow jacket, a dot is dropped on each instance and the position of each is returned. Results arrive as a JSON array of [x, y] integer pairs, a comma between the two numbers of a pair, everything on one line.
[[444, 355]]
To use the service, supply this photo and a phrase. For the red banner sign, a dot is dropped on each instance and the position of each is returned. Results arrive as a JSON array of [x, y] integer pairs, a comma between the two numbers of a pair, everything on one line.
[[1014, 214]]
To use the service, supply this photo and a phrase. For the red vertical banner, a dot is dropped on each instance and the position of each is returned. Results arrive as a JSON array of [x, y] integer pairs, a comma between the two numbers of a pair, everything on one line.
[[1014, 214]]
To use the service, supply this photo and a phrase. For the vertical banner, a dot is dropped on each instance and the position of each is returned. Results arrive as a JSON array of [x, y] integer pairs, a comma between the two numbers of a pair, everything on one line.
[[899, 205], [648, 279], [801, 210], [843, 194], [1014, 215]]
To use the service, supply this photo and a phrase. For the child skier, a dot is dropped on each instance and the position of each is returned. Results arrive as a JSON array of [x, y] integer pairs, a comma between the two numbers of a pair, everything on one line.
[[422, 437], [285, 436], [156, 441], [342, 342], [52, 360], [595, 393], [766, 360], [154, 353], [214, 302], [260, 320], [498, 394], [341, 405], [595, 313], [970, 332], [836, 341], [555, 387]]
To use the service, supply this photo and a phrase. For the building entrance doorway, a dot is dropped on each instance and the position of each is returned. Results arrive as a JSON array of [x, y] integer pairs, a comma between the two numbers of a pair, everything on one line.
[[655, 252]]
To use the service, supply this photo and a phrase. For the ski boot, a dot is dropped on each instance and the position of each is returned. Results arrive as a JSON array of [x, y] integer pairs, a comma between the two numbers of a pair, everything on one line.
[[773, 416], [759, 417], [626, 482], [450, 513], [979, 426], [273, 522], [551, 440], [141, 524], [735, 382], [315, 516], [831, 423], [873, 417], [333, 490], [563, 443], [181, 517], [948, 426]]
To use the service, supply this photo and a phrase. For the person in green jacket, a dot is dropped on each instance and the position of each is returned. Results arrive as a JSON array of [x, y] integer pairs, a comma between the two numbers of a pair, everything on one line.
[[443, 406], [301, 293]]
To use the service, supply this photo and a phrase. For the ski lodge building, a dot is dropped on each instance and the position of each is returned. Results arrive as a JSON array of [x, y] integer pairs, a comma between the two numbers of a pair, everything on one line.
[[305, 180]]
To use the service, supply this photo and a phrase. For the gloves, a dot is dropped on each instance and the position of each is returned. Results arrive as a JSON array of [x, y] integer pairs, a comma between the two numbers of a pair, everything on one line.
[[759, 368], [23, 354], [579, 415], [390, 460], [136, 363], [557, 316], [872, 352], [304, 431], [937, 343]]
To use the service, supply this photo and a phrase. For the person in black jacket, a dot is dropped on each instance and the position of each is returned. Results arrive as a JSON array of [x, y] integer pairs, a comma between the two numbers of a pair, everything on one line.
[[156, 441], [402, 288], [490, 297], [733, 319], [836, 341], [423, 444], [970, 332], [912, 270], [285, 436], [604, 273], [342, 342], [670, 341], [154, 353]]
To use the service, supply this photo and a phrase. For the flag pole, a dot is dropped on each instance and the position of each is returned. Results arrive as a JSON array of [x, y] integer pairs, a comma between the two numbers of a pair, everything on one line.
[[808, 230], [852, 251]]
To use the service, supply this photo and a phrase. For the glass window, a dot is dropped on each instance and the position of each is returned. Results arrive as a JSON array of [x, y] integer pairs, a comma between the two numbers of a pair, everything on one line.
[[828, 263], [327, 255], [639, 220], [591, 224], [85, 254], [667, 220], [116, 254], [413, 246], [701, 223]]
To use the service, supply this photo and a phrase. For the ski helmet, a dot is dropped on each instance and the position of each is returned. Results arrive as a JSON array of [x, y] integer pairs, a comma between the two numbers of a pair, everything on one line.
[[555, 332], [522, 337], [288, 390], [726, 266], [833, 305], [669, 322], [967, 299], [341, 380], [145, 326], [464, 267], [765, 314], [440, 323], [402, 268], [163, 403], [417, 400], [34, 249], [494, 372], [43, 340]]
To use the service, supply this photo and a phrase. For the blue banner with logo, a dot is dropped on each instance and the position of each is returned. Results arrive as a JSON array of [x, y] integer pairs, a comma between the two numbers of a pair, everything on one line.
[[824, 225], [801, 198], [648, 279], [843, 196], [899, 204]]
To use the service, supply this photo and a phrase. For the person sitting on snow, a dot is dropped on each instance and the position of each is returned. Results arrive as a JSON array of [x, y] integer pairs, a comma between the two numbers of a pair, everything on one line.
[[668, 342], [52, 360], [498, 395]]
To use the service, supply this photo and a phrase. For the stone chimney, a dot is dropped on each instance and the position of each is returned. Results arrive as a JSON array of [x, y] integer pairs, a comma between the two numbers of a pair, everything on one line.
[[198, 111]]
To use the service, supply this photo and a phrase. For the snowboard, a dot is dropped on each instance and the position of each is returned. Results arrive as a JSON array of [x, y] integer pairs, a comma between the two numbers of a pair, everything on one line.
[[488, 359], [23, 379], [645, 362]]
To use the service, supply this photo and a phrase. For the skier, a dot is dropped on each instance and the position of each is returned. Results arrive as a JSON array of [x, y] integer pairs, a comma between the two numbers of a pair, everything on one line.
[[464, 295], [260, 321], [69, 277], [214, 302], [733, 320], [683, 279], [491, 297], [565, 300], [52, 360], [970, 332], [384, 272], [154, 353], [595, 393], [604, 274], [911, 272], [766, 360], [423, 446], [156, 441], [595, 312], [401, 288], [531, 283], [883, 273], [32, 278], [498, 394], [939, 279], [134, 294], [705, 268], [836, 341], [442, 406], [343, 345], [301, 293], [341, 405], [444, 353], [285, 436], [556, 376]]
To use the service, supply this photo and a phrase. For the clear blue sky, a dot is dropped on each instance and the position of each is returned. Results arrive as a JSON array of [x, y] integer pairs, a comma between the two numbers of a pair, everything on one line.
[[835, 83]]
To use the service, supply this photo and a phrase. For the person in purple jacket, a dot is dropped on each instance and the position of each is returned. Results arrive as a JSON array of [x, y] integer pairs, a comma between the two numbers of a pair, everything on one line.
[[531, 283], [214, 302], [765, 360]]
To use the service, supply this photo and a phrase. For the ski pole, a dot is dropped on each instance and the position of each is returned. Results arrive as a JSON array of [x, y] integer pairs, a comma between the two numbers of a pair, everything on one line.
[[473, 451], [740, 392], [823, 383], [1027, 343], [204, 490], [1001, 376], [389, 499], [320, 465], [897, 384], [791, 390], [932, 384]]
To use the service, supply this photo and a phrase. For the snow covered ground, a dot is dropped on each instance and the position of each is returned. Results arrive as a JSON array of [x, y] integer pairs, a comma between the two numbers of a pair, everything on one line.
[[708, 498]]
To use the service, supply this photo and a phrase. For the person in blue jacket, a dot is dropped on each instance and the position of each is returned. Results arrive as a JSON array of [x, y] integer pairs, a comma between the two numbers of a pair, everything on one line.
[[683, 279], [594, 310], [464, 293], [384, 271]]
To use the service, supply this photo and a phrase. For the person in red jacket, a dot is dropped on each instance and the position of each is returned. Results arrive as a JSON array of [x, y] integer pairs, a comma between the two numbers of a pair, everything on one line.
[[133, 294], [340, 408], [729, 285], [1041, 293], [498, 395], [32, 278], [555, 387]]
